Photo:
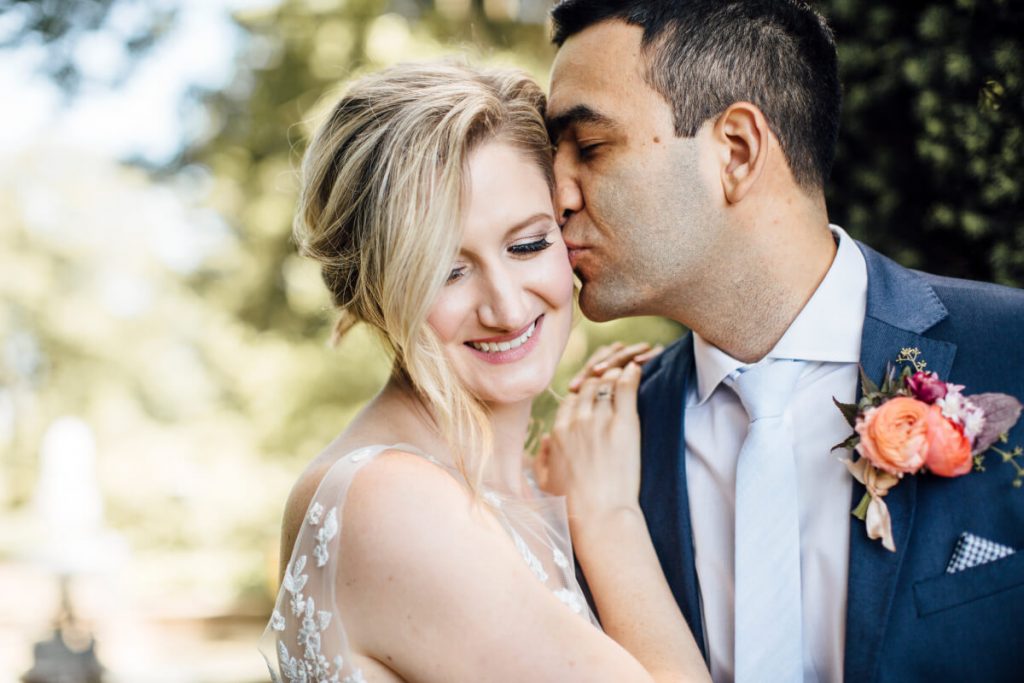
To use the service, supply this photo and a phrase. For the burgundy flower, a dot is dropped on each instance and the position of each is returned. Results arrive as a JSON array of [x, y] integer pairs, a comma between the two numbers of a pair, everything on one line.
[[926, 386]]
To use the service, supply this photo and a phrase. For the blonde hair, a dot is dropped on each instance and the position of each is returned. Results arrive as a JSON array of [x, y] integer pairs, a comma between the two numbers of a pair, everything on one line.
[[383, 184]]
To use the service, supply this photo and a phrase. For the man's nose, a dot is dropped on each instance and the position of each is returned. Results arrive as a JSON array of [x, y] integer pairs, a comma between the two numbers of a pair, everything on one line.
[[568, 196]]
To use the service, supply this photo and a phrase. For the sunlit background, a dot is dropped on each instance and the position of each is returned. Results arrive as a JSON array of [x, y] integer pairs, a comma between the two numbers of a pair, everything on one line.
[[164, 371]]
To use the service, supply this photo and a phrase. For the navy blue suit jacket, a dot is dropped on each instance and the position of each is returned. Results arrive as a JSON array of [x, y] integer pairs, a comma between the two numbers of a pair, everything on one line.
[[907, 620]]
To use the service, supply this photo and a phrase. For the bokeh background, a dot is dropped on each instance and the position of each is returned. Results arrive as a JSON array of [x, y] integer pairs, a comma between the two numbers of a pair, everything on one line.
[[164, 367]]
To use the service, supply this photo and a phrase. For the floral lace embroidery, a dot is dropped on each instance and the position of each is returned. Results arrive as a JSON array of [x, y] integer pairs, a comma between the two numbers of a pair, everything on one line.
[[314, 666], [559, 557], [315, 514], [571, 599], [324, 534], [277, 621], [531, 560]]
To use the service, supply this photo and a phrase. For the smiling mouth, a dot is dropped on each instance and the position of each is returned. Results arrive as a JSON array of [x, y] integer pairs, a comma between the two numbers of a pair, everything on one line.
[[509, 343]]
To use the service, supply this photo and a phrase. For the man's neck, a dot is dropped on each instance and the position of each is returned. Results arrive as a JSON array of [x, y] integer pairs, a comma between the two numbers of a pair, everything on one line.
[[746, 307]]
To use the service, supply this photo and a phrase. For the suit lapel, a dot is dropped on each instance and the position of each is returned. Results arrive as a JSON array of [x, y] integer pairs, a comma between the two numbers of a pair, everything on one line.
[[663, 493], [901, 306]]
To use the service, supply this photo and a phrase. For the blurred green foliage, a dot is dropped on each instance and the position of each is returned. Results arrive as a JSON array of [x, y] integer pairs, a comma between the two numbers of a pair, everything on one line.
[[931, 147]]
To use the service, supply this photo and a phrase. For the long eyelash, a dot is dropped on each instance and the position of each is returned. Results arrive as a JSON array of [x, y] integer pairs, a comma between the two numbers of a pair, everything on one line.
[[455, 275], [530, 247]]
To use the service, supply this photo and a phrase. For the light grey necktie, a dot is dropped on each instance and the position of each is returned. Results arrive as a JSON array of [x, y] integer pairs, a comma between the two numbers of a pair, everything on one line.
[[768, 619]]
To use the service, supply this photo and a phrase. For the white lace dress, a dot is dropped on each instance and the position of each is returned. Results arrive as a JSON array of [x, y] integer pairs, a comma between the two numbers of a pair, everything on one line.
[[305, 641]]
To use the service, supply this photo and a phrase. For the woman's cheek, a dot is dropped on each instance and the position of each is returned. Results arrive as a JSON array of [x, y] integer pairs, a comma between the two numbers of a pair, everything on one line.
[[447, 316], [561, 275]]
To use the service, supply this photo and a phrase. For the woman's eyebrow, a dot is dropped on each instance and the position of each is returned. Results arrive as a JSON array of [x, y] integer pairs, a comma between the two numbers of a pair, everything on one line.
[[535, 218]]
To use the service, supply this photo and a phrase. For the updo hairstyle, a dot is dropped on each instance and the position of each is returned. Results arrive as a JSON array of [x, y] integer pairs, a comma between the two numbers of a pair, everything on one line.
[[383, 186]]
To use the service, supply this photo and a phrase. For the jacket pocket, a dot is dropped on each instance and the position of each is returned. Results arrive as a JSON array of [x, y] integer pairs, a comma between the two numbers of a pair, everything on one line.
[[950, 590]]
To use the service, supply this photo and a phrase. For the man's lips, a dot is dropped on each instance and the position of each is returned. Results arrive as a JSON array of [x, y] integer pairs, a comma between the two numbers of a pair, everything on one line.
[[574, 251]]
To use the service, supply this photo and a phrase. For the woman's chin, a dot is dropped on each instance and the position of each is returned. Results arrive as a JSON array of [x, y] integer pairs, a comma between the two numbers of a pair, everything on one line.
[[511, 396]]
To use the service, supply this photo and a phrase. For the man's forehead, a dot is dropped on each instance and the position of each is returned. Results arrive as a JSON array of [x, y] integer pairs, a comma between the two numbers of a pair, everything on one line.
[[598, 64]]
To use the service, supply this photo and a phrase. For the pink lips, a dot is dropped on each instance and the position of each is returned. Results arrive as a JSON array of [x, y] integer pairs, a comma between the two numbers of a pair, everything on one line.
[[512, 355]]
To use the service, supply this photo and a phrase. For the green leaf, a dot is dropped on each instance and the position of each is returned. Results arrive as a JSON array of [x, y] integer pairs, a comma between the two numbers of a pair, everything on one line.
[[902, 384], [867, 386], [850, 443], [849, 411], [889, 380], [861, 511]]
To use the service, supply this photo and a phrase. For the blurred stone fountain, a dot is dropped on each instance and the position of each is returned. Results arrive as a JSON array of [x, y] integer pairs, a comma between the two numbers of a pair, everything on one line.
[[74, 543]]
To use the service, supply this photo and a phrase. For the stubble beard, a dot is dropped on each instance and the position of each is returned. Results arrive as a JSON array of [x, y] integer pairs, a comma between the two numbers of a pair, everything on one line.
[[620, 292]]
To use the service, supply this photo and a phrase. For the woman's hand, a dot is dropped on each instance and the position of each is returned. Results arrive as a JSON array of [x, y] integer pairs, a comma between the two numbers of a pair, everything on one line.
[[616, 355], [592, 455]]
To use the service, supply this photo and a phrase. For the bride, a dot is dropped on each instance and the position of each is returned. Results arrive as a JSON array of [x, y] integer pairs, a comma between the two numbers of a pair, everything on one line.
[[416, 547]]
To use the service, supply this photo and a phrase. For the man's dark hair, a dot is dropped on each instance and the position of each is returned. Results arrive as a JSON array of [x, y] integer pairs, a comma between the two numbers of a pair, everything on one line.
[[704, 55]]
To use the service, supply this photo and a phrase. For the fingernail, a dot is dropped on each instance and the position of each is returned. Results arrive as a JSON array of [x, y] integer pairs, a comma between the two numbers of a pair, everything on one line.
[[600, 367]]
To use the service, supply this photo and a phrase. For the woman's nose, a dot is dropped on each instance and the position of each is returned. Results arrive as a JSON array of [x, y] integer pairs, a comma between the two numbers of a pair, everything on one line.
[[503, 303]]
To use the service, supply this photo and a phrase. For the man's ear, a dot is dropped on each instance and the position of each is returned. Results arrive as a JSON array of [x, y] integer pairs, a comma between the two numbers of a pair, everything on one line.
[[742, 136]]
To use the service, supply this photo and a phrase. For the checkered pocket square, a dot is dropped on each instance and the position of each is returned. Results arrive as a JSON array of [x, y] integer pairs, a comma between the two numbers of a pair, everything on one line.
[[971, 551]]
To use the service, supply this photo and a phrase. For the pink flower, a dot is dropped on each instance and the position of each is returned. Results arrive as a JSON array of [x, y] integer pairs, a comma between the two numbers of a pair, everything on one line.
[[949, 450], [926, 386], [893, 436]]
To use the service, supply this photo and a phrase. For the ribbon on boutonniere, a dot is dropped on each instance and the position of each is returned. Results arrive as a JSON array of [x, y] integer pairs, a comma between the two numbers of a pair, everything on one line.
[[916, 422]]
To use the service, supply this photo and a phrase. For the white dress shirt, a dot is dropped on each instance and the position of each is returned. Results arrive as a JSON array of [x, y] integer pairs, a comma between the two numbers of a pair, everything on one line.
[[826, 335]]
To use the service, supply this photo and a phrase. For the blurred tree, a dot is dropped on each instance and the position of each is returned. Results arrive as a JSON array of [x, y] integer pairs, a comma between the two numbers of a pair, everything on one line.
[[67, 29], [932, 140]]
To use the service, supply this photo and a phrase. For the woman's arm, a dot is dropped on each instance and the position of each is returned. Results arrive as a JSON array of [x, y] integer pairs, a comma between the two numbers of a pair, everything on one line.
[[431, 586], [593, 457]]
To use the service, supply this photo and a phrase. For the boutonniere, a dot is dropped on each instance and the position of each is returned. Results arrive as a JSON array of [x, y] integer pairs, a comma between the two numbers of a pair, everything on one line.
[[916, 422]]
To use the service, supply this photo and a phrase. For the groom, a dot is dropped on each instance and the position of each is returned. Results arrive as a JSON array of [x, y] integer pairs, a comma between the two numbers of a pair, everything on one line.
[[694, 139]]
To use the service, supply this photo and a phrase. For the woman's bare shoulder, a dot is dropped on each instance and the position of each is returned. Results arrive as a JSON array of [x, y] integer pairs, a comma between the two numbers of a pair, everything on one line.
[[391, 484], [400, 494]]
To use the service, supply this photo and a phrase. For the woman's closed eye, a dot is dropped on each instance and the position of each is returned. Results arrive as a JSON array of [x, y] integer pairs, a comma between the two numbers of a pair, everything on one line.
[[531, 247]]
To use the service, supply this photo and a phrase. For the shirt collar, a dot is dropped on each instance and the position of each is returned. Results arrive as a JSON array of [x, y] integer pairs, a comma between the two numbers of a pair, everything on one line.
[[827, 330]]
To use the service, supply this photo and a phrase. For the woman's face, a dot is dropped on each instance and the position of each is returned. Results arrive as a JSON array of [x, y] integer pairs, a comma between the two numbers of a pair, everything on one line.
[[505, 314]]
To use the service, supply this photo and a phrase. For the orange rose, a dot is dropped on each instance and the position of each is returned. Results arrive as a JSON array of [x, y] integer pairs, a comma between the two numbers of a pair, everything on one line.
[[949, 451], [893, 436]]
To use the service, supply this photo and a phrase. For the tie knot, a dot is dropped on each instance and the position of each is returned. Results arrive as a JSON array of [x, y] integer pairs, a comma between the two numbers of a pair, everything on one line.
[[765, 387]]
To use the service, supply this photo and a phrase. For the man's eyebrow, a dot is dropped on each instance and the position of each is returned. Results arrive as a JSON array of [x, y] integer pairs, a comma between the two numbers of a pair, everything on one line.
[[581, 113]]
